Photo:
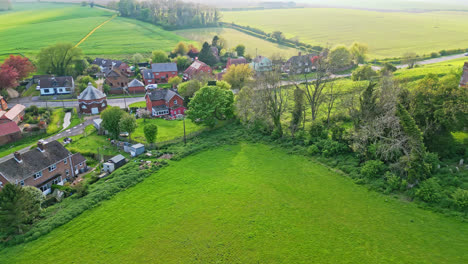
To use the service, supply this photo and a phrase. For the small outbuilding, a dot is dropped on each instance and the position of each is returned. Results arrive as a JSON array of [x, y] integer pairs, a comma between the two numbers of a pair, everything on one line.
[[136, 149], [92, 101], [114, 163], [135, 86]]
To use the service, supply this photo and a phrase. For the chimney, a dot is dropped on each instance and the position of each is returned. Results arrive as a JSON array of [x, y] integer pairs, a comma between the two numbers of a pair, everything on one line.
[[40, 146], [18, 157]]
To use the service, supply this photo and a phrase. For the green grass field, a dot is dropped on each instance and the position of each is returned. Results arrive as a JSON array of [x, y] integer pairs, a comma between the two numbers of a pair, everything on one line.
[[233, 38], [250, 204], [167, 130], [388, 34], [32, 26]]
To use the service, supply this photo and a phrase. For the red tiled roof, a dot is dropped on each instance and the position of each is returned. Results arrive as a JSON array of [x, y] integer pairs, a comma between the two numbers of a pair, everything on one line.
[[9, 128], [195, 67], [15, 111]]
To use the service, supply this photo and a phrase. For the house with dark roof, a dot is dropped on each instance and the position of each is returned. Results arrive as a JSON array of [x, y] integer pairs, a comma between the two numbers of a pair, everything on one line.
[[3, 104], [237, 61], [117, 81], [108, 65], [15, 114], [56, 85], [464, 78], [92, 101], [197, 67], [41, 167], [135, 86], [9, 132], [159, 73], [164, 102], [299, 64]]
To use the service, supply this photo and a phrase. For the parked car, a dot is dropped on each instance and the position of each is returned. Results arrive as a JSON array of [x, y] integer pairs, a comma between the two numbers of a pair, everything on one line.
[[124, 134], [466, 54]]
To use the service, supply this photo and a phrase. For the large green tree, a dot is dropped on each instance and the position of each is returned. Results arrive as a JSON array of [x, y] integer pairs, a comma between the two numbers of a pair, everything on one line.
[[211, 104], [151, 132], [238, 75], [206, 55], [339, 57], [159, 56], [359, 52], [111, 120], [18, 208], [59, 59], [128, 124], [82, 82]]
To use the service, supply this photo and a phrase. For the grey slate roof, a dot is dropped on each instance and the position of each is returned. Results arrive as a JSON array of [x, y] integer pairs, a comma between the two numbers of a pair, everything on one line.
[[135, 83], [106, 62], [91, 93], [161, 94], [164, 67], [51, 82], [77, 158], [33, 161], [117, 159], [147, 74]]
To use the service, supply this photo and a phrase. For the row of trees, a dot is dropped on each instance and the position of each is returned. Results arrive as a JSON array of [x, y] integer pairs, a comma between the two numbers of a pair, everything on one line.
[[170, 14]]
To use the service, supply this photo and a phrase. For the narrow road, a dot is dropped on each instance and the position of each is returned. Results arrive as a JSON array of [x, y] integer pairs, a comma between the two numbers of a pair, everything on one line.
[[76, 130], [28, 101]]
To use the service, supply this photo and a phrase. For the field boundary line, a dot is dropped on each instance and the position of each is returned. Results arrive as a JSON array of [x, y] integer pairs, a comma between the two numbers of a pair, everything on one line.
[[92, 31]]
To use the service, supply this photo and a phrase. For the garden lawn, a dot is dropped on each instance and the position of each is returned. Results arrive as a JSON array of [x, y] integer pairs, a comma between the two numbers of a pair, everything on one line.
[[167, 130], [56, 121], [233, 38], [250, 204], [388, 34]]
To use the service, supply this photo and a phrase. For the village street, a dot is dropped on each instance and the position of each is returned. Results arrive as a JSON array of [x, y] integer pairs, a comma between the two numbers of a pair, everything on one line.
[[36, 100]]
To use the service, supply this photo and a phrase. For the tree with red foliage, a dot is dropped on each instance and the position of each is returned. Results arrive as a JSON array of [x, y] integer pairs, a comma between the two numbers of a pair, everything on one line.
[[22, 65], [8, 77]]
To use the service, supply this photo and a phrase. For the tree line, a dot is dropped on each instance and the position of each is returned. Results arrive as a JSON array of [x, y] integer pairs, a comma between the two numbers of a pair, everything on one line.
[[169, 14]]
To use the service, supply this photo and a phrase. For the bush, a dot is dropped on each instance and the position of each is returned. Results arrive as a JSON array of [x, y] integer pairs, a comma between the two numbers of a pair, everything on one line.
[[460, 198], [373, 169], [330, 147], [393, 181], [429, 191], [317, 131], [313, 150]]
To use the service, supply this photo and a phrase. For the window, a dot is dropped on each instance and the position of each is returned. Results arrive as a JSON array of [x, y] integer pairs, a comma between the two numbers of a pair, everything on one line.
[[175, 101], [173, 72], [67, 172], [22, 183], [38, 175], [44, 187], [157, 73], [81, 164], [65, 161], [52, 168], [57, 180]]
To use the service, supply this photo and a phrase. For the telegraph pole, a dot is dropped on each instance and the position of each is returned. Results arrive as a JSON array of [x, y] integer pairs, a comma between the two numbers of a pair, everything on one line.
[[185, 138]]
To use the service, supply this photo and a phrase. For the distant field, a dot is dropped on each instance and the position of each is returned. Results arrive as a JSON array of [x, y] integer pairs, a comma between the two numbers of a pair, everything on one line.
[[29, 27], [388, 34], [249, 204], [233, 38]]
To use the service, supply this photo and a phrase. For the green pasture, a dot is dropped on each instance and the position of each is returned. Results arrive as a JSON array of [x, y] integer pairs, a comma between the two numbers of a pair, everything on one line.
[[32, 26], [250, 203], [167, 130], [233, 38], [388, 34]]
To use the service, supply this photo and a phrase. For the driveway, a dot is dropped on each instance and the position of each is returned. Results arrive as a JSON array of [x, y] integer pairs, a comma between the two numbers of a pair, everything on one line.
[[76, 130]]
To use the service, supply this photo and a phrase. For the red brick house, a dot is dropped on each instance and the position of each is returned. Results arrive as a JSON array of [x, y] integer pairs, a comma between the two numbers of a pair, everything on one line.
[[135, 86], [116, 80], [464, 78], [92, 101], [237, 61], [3, 104], [159, 73], [15, 114], [197, 67], [107, 65], [41, 167], [163, 102], [9, 132]]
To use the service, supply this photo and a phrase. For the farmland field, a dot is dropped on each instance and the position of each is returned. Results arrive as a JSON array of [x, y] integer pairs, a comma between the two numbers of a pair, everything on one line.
[[388, 34], [249, 203], [167, 130], [25, 30], [233, 38]]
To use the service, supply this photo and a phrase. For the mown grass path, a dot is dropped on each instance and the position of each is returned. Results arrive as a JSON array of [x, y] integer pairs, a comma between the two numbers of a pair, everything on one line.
[[92, 31]]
